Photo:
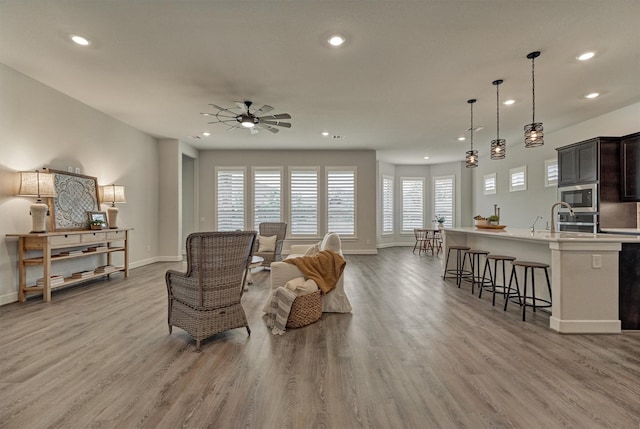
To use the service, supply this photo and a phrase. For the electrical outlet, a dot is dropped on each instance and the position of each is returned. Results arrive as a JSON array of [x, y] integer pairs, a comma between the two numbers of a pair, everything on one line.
[[596, 261], [77, 170], [148, 248], [69, 169], [203, 219]]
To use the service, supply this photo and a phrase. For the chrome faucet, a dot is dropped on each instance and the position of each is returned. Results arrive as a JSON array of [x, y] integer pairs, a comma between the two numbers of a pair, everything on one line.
[[553, 221], [533, 226]]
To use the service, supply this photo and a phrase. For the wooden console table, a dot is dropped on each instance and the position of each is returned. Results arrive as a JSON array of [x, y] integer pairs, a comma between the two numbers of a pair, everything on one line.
[[83, 242]]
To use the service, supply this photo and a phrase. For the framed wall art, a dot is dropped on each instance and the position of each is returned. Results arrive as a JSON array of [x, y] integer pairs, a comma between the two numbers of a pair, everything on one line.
[[77, 195]]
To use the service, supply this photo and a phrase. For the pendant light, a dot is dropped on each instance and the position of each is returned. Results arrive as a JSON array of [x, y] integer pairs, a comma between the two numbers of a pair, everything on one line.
[[498, 146], [533, 132], [471, 158]]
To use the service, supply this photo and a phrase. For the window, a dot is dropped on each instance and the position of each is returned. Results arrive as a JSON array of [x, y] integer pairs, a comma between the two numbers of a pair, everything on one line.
[[304, 201], [518, 179], [341, 201], [489, 184], [412, 203], [550, 172], [267, 191], [230, 199], [387, 205], [443, 198]]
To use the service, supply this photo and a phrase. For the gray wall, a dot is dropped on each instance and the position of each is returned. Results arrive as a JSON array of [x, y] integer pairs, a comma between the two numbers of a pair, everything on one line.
[[42, 127]]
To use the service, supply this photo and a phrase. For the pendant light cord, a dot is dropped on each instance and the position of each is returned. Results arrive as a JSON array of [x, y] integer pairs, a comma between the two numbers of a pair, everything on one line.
[[472, 125], [498, 113], [533, 89]]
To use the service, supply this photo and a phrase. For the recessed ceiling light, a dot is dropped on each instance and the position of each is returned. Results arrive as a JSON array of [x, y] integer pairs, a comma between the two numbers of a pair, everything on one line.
[[592, 95], [79, 40], [336, 40], [325, 133], [426, 157], [586, 56], [206, 134], [461, 139], [508, 102]]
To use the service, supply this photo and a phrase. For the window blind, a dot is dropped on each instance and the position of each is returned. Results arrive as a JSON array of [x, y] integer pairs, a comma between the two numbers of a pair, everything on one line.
[[230, 200], [341, 201], [387, 205], [412, 204], [267, 192], [443, 198], [304, 202]]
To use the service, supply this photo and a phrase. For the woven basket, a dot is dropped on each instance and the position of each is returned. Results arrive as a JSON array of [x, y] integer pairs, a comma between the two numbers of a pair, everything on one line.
[[305, 309]]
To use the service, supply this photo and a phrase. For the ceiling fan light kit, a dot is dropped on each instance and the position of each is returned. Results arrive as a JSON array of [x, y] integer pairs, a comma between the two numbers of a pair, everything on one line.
[[247, 119]]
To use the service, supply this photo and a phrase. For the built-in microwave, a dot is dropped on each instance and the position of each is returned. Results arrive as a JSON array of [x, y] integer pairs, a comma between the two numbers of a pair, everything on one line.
[[583, 198]]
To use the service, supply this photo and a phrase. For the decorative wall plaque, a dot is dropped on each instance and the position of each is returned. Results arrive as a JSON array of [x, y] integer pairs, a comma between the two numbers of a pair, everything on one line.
[[77, 195]]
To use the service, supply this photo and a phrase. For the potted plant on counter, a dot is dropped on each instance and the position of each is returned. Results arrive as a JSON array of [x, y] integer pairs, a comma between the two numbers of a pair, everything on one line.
[[440, 221], [494, 220]]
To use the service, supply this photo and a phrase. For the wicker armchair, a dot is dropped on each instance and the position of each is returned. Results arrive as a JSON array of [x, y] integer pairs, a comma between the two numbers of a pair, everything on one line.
[[269, 229], [206, 299]]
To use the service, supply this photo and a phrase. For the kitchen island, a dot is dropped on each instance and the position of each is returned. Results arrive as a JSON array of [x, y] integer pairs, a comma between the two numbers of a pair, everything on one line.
[[584, 271]]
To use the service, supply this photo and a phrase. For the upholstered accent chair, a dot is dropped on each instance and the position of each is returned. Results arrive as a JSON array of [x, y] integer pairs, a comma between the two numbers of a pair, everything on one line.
[[335, 301], [206, 299], [270, 241]]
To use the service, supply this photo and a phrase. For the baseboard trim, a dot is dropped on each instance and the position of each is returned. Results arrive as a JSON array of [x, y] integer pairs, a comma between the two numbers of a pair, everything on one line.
[[8, 298], [585, 326]]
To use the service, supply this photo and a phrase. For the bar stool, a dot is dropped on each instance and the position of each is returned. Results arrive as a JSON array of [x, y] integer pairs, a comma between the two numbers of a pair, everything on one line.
[[458, 272], [494, 275], [474, 261], [529, 300]]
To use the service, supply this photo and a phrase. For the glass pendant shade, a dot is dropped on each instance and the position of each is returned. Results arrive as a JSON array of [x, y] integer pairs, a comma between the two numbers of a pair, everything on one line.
[[471, 156], [498, 146], [533, 132]]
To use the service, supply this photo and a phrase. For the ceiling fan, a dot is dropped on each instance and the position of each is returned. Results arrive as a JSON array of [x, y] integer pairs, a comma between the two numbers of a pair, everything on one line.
[[243, 117]]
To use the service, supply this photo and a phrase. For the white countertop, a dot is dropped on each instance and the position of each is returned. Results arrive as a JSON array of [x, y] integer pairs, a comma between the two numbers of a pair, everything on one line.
[[630, 231], [545, 235]]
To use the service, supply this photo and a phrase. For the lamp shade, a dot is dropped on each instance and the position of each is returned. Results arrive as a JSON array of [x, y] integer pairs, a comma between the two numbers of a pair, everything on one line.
[[36, 184], [112, 194]]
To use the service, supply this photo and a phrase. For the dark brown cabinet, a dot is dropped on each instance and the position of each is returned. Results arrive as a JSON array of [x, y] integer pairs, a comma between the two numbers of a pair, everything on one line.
[[580, 162], [630, 167]]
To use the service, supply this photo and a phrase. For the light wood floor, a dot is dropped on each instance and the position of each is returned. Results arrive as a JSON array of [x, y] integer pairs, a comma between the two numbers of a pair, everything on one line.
[[416, 352]]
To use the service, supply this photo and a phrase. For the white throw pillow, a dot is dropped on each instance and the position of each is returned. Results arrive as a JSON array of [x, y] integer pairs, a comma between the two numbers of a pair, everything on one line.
[[267, 244]]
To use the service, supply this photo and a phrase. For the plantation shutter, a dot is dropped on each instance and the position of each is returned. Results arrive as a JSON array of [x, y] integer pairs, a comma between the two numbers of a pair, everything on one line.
[[267, 191], [304, 202], [412, 204], [230, 200], [341, 201], [443, 198]]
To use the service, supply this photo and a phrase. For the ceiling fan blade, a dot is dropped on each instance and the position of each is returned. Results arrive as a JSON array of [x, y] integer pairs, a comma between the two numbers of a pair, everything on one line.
[[278, 116], [264, 109], [223, 121], [243, 105], [267, 127], [217, 107], [278, 123]]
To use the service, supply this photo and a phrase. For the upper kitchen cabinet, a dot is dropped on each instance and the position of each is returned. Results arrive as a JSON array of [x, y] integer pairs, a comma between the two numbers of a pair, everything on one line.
[[630, 167], [583, 162], [578, 163]]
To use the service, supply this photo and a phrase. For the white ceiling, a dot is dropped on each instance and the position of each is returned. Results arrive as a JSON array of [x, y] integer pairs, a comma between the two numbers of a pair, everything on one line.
[[399, 85]]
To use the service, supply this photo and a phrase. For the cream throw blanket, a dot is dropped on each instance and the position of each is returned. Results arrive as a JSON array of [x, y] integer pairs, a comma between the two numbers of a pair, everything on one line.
[[282, 300], [325, 268]]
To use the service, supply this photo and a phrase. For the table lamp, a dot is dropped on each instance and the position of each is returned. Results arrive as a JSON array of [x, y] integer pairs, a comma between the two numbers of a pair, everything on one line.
[[40, 185], [112, 194]]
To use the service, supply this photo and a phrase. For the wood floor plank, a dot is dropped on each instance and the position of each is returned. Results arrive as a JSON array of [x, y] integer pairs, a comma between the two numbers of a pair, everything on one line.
[[415, 352]]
